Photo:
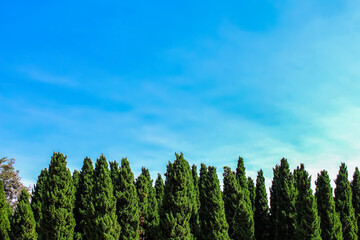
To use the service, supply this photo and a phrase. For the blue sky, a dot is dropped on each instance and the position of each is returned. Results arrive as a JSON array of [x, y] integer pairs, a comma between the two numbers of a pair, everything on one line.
[[260, 79]]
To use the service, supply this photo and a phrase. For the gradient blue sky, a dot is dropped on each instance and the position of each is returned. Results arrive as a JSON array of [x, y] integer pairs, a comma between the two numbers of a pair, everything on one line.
[[145, 79]]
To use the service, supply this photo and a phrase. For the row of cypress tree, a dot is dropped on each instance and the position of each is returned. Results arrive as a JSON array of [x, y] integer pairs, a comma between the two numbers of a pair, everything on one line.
[[106, 202]]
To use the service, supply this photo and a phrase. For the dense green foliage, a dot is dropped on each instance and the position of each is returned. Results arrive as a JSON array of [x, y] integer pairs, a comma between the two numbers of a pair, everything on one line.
[[84, 209], [355, 188], [261, 213], [343, 204], [23, 225], [159, 190], [330, 224], [307, 221], [243, 221], [194, 221], [282, 201], [251, 187], [149, 212], [127, 207], [58, 201], [212, 212], [37, 199], [177, 203], [105, 203], [231, 196], [104, 223], [5, 213]]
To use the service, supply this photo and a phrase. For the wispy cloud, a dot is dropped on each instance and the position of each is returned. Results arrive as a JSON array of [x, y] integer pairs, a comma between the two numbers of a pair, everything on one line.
[[36, 74]]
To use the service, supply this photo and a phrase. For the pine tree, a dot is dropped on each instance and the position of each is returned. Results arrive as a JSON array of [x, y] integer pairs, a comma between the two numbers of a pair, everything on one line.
[[149, 214], [127, 207], [355, 187], [251, 187], [243, 221], [57, 211], [84, 208], [282, 201], [261, 213], [23, 225], [38, 199], [213, 219], [343, 204], [177, 204], [159, 190], [5, 213], [329, 219], [307, 221], [104, 225]]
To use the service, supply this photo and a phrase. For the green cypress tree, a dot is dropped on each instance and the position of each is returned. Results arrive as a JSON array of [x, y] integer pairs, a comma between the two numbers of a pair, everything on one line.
[[213, 219], [251, 187], [127, 206], [114, 174], [243, 221], [76, 178], [57, 211], [261, 213], [5, 213], [177, 204], [282, 201], [23, 225], [84, 209], [104, 225], [231, 196], [159, 190], [355, 187], [194, 221], [343, 204], [329, 219], [241, 178], [38, 199], [149, 214], [307, 221], [203, 195]]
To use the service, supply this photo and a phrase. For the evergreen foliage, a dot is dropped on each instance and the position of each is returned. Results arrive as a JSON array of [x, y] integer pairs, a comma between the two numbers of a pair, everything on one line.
[[307, 221], [243, 221], [76, 178], [329, 219], [194, 221], [261, 213], [251, 187], [127, 207], [343, 204], [114, 174], [5, 213], [104, 223], [57, 210], [177, 203], [159, 190], [149, 213], [355, 187], [212, 212], [23, 225], [231, 196], [84, 208], [38, 199], [282, 202]]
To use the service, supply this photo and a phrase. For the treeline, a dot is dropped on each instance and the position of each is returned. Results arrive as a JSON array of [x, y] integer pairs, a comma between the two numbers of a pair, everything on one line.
[[107, 202]]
